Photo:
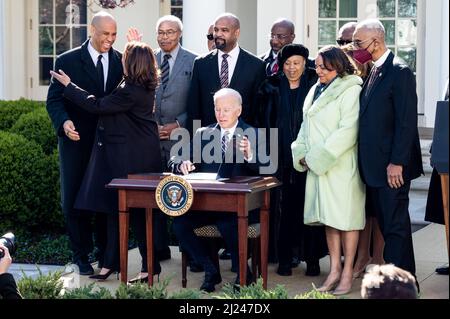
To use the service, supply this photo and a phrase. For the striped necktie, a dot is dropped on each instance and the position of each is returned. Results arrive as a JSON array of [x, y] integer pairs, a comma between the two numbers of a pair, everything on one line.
[[225, 142], [224, 72], [165, 71]]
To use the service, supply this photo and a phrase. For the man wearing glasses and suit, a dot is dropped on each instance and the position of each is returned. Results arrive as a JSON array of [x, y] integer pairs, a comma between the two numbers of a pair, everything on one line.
[[175, 64], [282, 33], [389, 147]]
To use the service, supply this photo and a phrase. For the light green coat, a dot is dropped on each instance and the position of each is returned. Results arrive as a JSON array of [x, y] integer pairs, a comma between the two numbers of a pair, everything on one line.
[[335, 194]]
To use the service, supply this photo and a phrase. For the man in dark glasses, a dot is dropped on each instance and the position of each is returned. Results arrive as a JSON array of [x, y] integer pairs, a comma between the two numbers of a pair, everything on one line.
[[210, 37], [346, 34]]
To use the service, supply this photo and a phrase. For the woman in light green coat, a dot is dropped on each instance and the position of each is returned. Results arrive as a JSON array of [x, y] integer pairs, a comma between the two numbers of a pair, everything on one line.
[[326, 147]]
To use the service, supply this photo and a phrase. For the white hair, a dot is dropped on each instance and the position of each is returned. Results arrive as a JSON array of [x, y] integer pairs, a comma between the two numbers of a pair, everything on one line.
[[372, 25], [170, 18], [228, 92]]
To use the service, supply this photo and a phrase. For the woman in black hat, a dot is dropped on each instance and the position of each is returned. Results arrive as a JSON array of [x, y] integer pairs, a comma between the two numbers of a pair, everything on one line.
[[282, 97]]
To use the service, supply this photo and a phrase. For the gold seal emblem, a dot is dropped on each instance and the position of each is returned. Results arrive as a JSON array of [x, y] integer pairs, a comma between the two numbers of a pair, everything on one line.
[[174, 196]]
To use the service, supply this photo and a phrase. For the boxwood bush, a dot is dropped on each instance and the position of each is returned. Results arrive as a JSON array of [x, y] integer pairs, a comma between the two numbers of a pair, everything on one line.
[[10, 111], [29, 199], [36, 126]]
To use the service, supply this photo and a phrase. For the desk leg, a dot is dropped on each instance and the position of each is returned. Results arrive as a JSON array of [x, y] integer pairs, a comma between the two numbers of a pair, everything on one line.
[[243, 238], [444, 183], [124, 219], [264, 237], [149, 233]]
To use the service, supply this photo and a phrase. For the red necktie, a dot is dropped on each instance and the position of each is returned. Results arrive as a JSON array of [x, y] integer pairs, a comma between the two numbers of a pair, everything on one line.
[[275, 67]]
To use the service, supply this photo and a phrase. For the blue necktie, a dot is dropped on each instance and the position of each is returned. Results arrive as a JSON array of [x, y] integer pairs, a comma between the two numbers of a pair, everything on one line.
[[165, 71]]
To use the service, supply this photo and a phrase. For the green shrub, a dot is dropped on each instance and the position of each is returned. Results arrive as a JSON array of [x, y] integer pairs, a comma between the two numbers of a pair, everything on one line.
[[88, 292], [254, 291], [45, 250], [29, 200], [10, 111], [187, 294], [37, 126], [43, 287], [314, 294], [143, 291]]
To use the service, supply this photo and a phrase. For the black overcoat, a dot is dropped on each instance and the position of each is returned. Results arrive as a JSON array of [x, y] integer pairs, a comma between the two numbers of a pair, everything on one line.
[[74, 156], [126, 142]]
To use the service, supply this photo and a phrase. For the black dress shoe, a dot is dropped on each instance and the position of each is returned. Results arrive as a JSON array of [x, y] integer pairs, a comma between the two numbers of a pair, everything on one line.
[[284, 270], [85, 269], [248, 281], [211, 280], [225, 255], [312, 269], [442, 270]]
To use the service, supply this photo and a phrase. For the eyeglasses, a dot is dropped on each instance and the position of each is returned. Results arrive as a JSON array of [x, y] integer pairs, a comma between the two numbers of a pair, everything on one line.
[[322, 67], [210, 36], [279, 37], [168, 33], [341, 42], [358, 43]]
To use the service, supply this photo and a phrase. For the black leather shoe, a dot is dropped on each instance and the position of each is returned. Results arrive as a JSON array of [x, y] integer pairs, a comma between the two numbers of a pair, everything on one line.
[[85, 269], [312, 269], [248, 281], [225, 255], [211, 280], [284, 270], [442, 270]]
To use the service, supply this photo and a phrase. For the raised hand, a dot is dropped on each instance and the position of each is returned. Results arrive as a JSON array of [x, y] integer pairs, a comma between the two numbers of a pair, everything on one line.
[[61, 77], [134, 35]]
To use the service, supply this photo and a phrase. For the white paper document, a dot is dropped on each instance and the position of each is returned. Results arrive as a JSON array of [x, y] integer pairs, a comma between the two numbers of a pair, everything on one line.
[[203, 177]]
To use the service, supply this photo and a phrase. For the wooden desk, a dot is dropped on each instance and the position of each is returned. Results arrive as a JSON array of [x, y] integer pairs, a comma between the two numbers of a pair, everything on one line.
[[239, 195]]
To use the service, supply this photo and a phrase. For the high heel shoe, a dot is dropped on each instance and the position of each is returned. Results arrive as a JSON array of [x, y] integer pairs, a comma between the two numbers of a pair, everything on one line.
[[360, 272], [143, 280], [329, 287], [105, 276]]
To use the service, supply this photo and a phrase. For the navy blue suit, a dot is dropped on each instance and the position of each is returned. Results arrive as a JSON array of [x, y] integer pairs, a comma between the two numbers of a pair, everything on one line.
[[388, 134], [226, 223], [247, 77]]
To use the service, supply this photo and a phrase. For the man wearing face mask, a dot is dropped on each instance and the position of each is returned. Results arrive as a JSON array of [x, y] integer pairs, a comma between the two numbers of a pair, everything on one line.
[[281, 34], [228, 66], [389, 148]]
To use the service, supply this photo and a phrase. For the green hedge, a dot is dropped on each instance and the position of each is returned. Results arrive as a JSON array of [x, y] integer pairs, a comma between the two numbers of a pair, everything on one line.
[[29, 188], [11, 111], [37, 126]]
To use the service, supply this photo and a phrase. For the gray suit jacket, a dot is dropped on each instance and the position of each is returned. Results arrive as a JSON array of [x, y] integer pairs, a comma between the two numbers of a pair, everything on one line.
[[171, 102]]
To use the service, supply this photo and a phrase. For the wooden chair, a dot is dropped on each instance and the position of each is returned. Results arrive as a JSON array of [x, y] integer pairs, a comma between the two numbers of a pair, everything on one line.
[[214, 237]]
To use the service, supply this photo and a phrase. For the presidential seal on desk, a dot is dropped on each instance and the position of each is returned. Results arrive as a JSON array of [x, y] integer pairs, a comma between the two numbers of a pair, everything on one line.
[[174, 196]]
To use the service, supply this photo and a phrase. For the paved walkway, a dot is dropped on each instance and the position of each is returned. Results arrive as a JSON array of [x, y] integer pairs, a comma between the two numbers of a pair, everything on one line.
[[430, 252]]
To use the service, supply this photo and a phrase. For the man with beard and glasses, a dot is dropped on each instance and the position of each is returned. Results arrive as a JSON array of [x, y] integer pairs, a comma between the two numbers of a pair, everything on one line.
[[228, 66]]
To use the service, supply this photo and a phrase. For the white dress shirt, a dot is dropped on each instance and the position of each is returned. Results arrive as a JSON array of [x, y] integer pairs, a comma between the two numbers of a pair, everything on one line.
[[105, 61], [173, 57], [232, 61]]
